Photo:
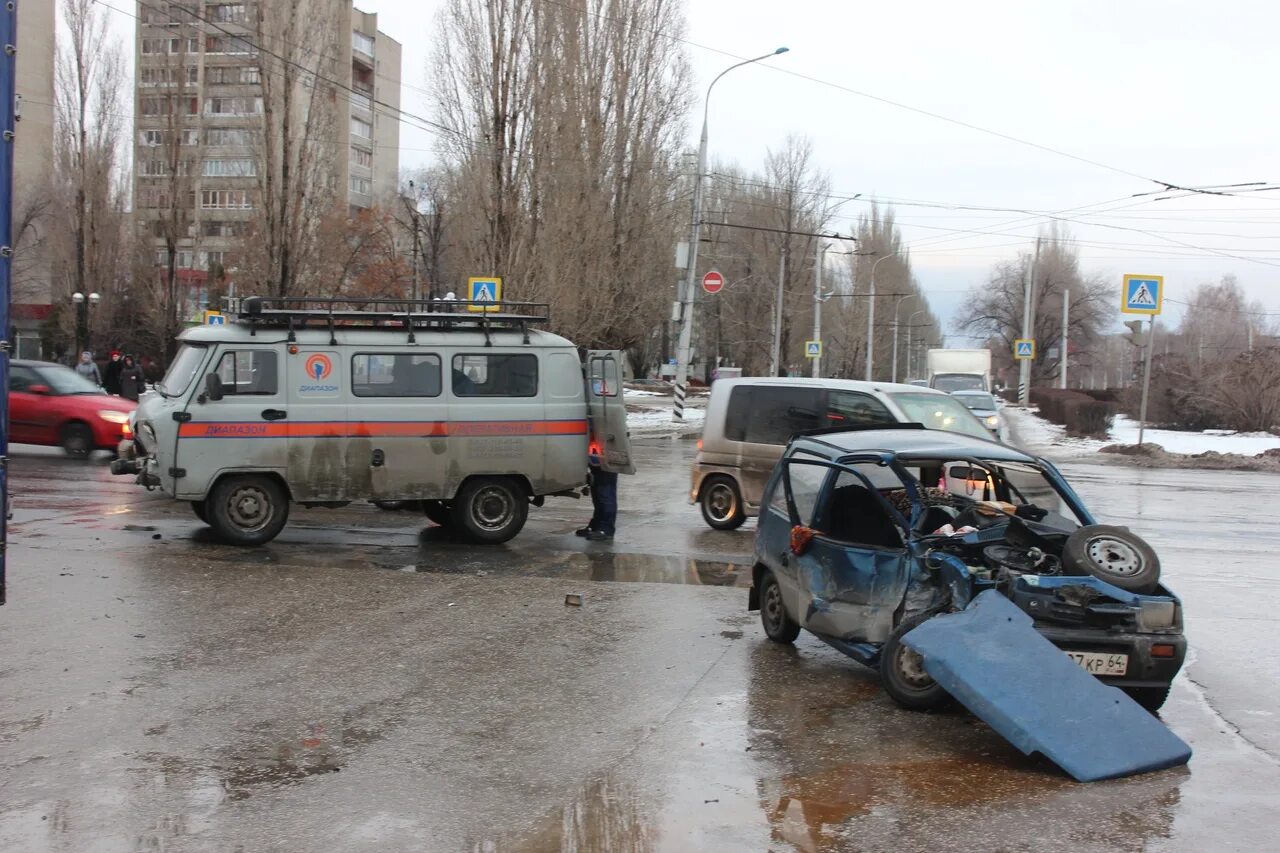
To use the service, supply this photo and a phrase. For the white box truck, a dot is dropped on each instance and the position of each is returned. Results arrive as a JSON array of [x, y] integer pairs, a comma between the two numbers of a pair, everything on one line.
[[960, 369]]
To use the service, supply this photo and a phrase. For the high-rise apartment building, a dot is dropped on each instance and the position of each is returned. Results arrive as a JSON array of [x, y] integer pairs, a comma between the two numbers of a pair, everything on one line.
[[199, 122]]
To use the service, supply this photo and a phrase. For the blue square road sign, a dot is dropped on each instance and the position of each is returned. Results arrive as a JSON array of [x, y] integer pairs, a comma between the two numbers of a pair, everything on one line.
[[1142, 294]]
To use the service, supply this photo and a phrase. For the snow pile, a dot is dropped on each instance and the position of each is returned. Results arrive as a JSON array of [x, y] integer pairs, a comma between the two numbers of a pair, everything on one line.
[[657, 421], [1125, 431], [1035, 433], [630, 392]]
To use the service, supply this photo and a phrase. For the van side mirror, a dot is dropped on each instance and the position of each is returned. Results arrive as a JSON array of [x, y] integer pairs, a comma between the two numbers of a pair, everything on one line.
[[213, 386]]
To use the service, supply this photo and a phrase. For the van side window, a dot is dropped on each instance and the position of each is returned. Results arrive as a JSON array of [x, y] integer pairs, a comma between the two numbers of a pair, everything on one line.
[[849, 408], [249, 372], [495, 375], [778, 412], [395, 375], [736, 416]]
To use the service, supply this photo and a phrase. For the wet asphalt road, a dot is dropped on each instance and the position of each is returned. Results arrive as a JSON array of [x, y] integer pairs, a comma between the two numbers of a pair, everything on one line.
[[363, 683]]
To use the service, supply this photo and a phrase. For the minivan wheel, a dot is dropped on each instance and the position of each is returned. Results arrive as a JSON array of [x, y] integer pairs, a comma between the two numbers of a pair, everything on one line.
[[490, 509], [439, 512], [778, 625], [903, 675], [77, 440], [247, 509], [721, 503]]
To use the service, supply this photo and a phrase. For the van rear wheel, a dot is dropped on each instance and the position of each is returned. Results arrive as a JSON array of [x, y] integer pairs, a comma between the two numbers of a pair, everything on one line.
[[721, 503], [490, 509], [247, 509]]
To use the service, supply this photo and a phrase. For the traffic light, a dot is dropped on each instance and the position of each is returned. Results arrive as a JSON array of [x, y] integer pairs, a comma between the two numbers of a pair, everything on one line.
[[1137, 336]]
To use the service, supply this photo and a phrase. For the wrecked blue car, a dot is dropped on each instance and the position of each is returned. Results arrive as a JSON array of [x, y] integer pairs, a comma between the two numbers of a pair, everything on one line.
[[866, 534]]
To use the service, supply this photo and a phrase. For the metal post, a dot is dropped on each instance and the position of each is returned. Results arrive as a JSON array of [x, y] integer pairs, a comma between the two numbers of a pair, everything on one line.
[[1062, 348], [1028, 317], [8, 96], [775, 355], [871, 318], [896, 306], [695, 232], [817, 306], [1146, 380]]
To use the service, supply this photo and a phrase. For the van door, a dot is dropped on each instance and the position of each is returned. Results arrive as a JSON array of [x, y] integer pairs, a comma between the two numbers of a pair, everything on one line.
[[607, 412], [245, 429], [398, 446], [316, 423]]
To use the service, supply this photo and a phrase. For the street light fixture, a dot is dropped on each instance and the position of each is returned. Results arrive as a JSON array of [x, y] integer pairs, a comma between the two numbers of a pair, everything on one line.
[[909, 327], [871, 313], [82, 318], [686, 300], [896, 305]]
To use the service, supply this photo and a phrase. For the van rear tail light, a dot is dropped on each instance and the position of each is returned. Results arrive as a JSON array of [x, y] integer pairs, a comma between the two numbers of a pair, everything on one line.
[[1163, 650], [699, 444]]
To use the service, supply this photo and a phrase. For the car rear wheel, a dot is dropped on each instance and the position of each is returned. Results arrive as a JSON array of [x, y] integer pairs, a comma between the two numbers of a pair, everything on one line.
[[1114, 555], [903, 674], [247, 509], [1151, 698], [490, 509], [438, 512], [77, 440], [721, 503], [778, 624]]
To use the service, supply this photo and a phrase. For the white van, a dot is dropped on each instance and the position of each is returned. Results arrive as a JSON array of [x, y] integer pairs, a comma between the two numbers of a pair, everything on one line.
[[323, 402], [750, 421]]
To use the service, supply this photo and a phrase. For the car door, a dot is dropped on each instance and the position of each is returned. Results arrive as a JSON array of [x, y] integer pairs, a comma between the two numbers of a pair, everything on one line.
[[28, 412], [244, 428], [851, 572], [607, 412]]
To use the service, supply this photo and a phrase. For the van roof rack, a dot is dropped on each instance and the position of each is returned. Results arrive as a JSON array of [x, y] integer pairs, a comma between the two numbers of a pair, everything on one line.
[[300, 312]]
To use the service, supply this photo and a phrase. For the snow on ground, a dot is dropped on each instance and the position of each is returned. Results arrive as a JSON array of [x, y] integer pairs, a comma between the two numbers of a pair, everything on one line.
[[631, 392], [1035, 432], [657, 421]]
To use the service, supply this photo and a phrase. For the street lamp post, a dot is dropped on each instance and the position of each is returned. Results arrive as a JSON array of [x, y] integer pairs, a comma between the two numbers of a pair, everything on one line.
[[82, 318], [896, 305], [909, 353], [871, 314], [695, 230]]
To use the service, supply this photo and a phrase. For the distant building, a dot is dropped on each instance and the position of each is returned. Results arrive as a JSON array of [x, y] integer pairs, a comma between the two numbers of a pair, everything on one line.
[[32, 296], [214, 79]]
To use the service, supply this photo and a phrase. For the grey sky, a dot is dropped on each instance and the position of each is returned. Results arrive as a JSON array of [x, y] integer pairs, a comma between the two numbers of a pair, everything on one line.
[[1178, 91]]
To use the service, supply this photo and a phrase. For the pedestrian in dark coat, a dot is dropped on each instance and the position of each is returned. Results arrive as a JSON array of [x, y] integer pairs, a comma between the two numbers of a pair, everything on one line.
[[132, 380], [111, 376]]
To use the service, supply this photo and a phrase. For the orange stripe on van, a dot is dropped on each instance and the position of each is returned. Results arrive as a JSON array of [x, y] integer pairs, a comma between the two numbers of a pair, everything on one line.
[[381, 429]]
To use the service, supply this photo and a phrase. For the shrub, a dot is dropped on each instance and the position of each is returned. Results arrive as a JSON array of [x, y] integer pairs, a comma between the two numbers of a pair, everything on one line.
[[1077, 411]]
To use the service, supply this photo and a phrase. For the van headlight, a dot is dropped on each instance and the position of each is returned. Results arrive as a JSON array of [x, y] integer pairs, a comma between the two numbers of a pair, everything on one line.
[[114, 417]]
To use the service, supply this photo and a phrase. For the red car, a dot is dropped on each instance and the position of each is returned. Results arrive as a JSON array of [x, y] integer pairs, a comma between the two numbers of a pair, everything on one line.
[[53, 405]]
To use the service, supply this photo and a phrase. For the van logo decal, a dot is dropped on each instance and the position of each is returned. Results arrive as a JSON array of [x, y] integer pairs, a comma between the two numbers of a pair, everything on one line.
[[319, 366]]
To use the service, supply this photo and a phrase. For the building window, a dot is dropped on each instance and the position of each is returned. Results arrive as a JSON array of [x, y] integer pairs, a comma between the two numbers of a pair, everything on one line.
[[360, 157], [170, 106], [225, 200], [232, 75], [168, 76], [360, 185], [227, 137], [229, 45], [362, 43], [220, 228], [233, 106], [243, 168], [361, 128], [160, 168], [229, 13]]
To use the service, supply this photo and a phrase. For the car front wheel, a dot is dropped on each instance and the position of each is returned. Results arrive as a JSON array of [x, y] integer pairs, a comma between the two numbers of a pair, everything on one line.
[[247, 509], [903, 674], [778, 624], [77, 440]]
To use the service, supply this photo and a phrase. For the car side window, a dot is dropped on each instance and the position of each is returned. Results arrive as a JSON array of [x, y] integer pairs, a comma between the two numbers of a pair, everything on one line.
[[852, 513], [21, 378], [778, 412], [850, 408], [249, 373], [806, 482]]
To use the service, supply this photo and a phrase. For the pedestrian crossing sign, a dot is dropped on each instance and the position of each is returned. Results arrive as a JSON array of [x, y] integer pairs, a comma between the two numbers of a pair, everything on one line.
[[214, 318], [813, 349], [1024, 349], [484, 290], [1142, 294]]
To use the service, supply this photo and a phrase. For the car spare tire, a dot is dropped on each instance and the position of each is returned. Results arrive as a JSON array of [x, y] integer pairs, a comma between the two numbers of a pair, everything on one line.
[[1112, 554]]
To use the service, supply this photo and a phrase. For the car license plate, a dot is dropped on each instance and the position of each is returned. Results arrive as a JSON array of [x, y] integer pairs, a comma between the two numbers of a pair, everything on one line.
[[1101, 663]]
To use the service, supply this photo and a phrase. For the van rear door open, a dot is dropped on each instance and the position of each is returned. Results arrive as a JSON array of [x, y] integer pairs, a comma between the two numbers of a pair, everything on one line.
[[608, 412]]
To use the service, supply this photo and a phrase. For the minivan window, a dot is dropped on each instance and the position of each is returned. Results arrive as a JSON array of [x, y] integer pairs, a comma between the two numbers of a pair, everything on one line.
[[939, 411], [495, 375], [395, 375], [738, 413], [777, 413], [849, 408]]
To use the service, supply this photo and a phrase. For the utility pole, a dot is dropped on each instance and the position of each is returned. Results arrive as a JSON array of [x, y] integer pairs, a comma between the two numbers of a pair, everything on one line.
[[1028, 316], [1146, 379], [8, 100], [1066, 309], [776, 353], [817, 305]]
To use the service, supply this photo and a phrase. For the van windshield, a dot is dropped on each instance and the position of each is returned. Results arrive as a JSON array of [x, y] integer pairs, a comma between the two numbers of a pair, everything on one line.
[[181, 370], [939, 411]]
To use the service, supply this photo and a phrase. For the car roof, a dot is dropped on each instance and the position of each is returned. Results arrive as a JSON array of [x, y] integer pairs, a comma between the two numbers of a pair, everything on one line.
[[913, 442], [809, 382]]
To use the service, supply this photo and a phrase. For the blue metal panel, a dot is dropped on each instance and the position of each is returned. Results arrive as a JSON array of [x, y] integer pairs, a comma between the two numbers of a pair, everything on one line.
[[993, 661], [8, 72]]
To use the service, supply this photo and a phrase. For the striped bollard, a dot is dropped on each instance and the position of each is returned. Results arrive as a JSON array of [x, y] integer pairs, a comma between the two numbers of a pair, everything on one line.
[[678, 414]]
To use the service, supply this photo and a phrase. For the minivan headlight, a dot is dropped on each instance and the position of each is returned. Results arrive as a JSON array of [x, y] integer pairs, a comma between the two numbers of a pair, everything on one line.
[[993, 420], [114, 417]]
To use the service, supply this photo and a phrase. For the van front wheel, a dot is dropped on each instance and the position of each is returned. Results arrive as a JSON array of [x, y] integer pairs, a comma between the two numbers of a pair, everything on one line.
[[247, 509], [721, 503], [490, 509]]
